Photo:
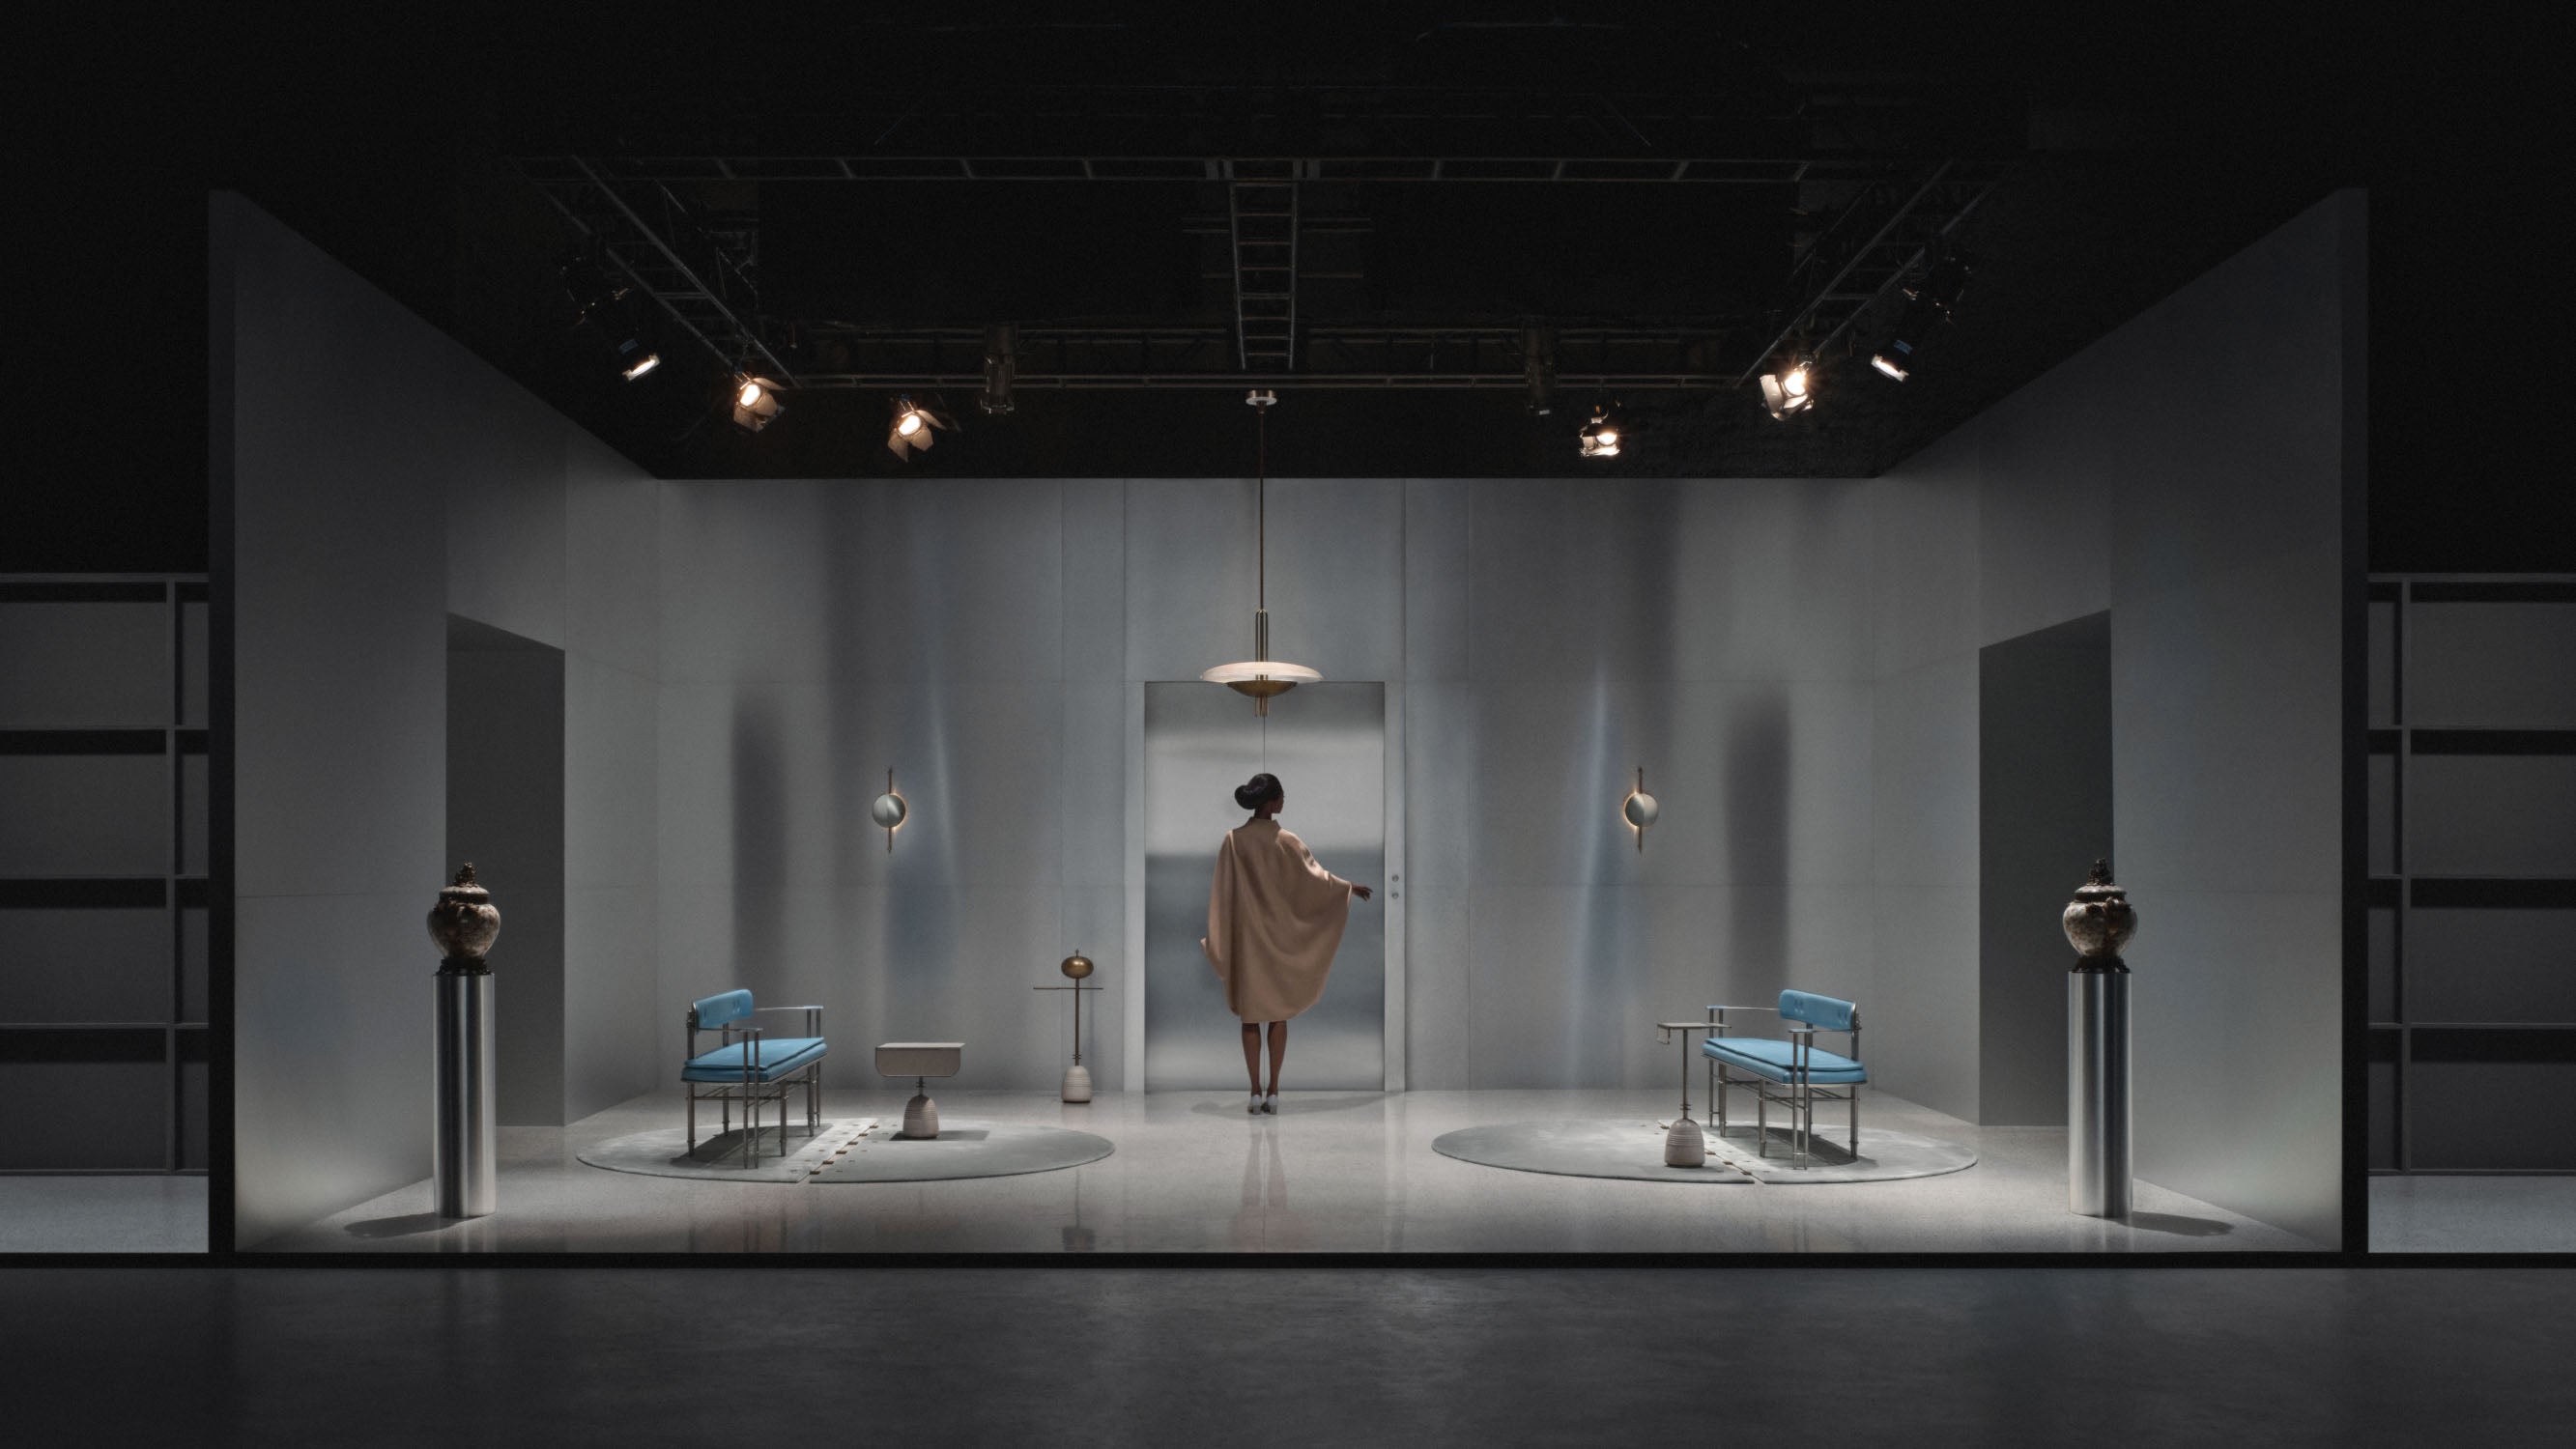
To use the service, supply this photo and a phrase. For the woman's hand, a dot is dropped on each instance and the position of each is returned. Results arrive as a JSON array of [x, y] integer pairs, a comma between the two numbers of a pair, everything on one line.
[[1361, 891]]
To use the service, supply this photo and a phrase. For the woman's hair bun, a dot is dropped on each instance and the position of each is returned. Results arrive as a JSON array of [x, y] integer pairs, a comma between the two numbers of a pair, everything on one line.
[[1252, 793]]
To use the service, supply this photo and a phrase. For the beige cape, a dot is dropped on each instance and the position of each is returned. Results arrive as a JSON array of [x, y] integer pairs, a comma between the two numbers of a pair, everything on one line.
[[1275, 918]]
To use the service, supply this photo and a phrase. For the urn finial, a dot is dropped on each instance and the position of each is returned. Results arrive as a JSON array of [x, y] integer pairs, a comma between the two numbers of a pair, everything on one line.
[[2099, 921], [464, 923]]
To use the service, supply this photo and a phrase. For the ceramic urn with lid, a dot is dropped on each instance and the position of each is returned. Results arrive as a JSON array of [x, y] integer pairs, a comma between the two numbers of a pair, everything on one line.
[[2099, 921], [464, 923]]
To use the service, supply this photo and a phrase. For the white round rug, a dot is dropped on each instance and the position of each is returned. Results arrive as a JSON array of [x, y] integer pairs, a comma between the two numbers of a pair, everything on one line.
[[1634, 1148], [860, 1150]]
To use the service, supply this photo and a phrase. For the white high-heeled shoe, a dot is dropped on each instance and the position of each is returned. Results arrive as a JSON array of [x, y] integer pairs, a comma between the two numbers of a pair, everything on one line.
[[1255, 1108], [1270, 1104]]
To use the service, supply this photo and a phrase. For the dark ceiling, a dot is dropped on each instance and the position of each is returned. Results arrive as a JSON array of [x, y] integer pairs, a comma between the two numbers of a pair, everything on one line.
[[2087, 165]]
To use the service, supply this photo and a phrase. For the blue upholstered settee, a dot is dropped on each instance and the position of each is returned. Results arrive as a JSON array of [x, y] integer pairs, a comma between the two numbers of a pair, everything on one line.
[[752, 1067], [1791, 1071]]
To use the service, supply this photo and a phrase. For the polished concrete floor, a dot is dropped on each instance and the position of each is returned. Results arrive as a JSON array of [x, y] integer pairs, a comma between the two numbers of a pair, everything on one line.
[[2473, 1214], [2099, 1354], [1333, 1172], [89, 1214]]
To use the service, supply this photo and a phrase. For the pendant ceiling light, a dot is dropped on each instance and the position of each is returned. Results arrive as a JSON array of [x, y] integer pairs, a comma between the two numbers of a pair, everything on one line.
[[1261, 676]]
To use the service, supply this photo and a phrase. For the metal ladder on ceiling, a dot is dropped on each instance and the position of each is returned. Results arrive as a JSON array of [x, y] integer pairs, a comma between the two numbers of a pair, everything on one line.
[[1261, 222]]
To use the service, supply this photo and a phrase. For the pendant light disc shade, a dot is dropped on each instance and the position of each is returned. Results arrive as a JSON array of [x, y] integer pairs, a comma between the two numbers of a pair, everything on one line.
[[1261, 678]]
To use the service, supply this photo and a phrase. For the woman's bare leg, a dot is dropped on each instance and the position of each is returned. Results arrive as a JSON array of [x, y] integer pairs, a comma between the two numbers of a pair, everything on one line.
[[1278, 1052], [1252, 1056]]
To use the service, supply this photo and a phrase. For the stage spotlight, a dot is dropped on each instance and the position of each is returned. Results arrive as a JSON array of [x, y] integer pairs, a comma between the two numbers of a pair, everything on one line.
[[635, 358], [1001, 368], [1789, 391], [1928, 304], [602, 303], [913, 427], [1600, 437], [755, 403]]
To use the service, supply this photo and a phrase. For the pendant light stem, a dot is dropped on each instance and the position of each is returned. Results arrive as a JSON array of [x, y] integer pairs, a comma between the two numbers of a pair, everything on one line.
[[1261, 510]]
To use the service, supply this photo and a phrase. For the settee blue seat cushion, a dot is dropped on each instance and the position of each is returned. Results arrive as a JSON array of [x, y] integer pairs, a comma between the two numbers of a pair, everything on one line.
[[779, 1056], [1771, 1058]]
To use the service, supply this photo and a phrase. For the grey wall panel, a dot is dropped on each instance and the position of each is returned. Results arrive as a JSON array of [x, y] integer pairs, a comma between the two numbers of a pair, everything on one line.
[[1094, 784], [2382, 615], [939, 580], [2381, 771], [85, 815], [100, 664], [79, 965], [505, 813], [2494, 1115], [2046, 496], [741, 565], [2491, 814], [1439, 1040], [2381, 924], [612, 561], [1758, 782], [1190, 567], [611, 826], [1756, 732], [2044, 809], [1924, 577], [1732, 579], [2489, 964], [429, 486], [1336, 577], [2227, 718], [331, 1077], [506, 533], [611, 733], [87, 1115], [2497, 665], [2239, 1021], [1437, 514], [1445, 782], [1924, 764], [1567, 983], [612, 937], [1093, 567], [340, 638], [1923, 1015]]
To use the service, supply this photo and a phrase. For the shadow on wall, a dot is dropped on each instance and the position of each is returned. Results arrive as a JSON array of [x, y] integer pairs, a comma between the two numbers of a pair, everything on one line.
[[759, 844], [1756, 790]]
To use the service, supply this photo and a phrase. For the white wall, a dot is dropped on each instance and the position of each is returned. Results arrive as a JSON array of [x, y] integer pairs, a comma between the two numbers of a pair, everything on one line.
[[2187, 473], [382, 478], [983, 637]]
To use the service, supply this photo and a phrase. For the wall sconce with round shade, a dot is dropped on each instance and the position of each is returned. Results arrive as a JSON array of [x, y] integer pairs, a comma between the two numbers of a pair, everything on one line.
[[1261, 677], [1639, 809], [889, 810]]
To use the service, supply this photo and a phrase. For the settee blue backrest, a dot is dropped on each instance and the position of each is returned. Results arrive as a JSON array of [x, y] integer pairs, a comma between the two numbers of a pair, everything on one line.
[[729, 1006], [1828, 1013]]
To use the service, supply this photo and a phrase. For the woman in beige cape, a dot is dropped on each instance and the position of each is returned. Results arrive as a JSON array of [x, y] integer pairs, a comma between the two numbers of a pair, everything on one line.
[[1275, 918]]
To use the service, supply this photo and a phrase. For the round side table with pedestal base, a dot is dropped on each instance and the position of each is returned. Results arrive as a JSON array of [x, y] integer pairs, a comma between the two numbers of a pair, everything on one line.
[[920, 1060]]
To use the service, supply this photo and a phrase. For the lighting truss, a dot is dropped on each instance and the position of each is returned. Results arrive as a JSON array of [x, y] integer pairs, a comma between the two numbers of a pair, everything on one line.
[[1116, 358], [700, 276], [1880, 236]]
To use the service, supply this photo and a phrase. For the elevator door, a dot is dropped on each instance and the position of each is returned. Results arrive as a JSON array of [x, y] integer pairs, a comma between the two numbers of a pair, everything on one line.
[[1327, 745]]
